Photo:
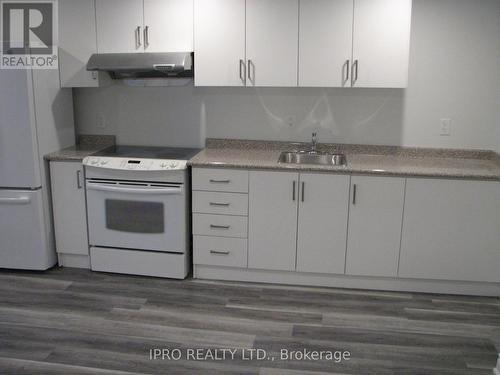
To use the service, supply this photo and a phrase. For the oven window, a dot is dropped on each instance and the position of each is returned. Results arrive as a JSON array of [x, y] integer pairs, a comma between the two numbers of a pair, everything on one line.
[[134, 217]]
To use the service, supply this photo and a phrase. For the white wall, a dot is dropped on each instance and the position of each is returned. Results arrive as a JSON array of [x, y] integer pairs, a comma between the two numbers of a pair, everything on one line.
[[454, 73]]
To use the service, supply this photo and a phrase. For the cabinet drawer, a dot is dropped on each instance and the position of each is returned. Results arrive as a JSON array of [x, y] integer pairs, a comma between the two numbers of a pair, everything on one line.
[[209, 202], [231, 180], [220, 251], [220, 225]]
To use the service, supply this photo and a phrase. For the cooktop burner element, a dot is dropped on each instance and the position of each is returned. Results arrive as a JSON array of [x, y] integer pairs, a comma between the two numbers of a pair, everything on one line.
[[140, 158]]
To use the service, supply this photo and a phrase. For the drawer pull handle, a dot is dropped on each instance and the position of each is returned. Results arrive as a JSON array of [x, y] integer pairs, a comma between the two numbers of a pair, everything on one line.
[[212, 226], [220, 181], [216, 252], [219, 204]]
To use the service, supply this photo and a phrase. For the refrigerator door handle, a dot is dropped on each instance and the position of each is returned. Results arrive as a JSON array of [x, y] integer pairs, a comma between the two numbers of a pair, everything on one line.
[[19, 200]]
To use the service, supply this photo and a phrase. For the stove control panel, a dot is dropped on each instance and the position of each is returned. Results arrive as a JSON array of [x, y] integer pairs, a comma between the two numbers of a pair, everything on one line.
[[134, 164]]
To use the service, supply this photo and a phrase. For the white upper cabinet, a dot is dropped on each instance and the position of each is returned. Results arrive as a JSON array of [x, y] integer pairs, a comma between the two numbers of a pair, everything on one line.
[[381, 43], [252, 43], [219, 43], [322, 224], [325, 43], [119, 26], [272, 220], [125, 26], [451, 230], [375, 218], [271, 42], [168, 25], [77, 41]]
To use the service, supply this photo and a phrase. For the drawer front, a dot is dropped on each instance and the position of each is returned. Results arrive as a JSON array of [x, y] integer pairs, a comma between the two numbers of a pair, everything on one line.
[[220, 225], [220, 251], [230, 180], [209, 202]]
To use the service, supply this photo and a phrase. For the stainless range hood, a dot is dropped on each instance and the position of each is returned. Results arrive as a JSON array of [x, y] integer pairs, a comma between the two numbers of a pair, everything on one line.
[[143, 65]]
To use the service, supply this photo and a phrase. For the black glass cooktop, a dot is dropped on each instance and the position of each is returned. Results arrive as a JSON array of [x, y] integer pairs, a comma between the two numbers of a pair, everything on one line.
[[143, 152]]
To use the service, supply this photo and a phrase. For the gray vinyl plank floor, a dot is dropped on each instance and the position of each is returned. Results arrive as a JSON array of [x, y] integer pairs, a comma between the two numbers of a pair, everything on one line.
[[69, 321]]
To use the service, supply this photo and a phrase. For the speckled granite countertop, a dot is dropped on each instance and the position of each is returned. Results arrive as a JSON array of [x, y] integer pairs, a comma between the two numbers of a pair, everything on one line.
[[379, 160], [86, 146]]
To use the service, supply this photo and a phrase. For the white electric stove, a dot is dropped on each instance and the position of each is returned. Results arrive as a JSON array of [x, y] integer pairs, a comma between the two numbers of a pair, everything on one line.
[[138, 210]]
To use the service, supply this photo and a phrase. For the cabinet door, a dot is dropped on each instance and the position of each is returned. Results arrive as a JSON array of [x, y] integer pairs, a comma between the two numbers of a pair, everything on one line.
[[325, 43], [381, 44], [119, 26], [451, 230], [271, 36], [70, 214], [219, 42], [77, 41], [375, 218], [272, 220], [168, 25], [322, 224]]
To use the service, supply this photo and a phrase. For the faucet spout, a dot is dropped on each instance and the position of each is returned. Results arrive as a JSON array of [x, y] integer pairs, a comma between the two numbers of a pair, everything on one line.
[[314, 143]]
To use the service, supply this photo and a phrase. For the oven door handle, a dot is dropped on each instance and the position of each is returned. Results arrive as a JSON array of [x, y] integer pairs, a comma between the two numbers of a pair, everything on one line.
[[115, 189]]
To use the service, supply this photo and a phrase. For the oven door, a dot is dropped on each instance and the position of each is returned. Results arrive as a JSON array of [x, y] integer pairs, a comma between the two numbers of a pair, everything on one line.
[[135, 215]]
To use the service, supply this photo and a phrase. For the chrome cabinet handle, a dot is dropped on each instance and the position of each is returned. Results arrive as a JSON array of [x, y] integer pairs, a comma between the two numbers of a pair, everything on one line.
[[146, 37], [354, 72], [212, 226], [217, 252], [243, 72], [347, 69], [354, 191], [79, 179], [251, 69], [293, 190], [219, 204], [303, 190], [138, 37], [219, 181]]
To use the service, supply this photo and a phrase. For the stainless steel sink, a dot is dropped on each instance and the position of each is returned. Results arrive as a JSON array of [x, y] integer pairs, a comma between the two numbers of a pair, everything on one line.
[[304, 157]]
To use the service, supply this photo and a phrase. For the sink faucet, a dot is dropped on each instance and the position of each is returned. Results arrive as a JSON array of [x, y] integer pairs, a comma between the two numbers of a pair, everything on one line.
[[314, 143]]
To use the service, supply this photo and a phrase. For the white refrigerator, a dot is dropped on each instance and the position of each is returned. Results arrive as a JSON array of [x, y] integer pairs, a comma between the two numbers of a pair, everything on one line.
[[36, 118]]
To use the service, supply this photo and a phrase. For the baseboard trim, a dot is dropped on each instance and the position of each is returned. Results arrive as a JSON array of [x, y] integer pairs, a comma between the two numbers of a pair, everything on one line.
[[73, 260], [342, 281]]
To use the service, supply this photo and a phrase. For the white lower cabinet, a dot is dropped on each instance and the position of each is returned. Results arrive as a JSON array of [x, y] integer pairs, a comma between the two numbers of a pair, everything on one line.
[[375, 216], [70, 214], [374, 232], [322, 223], [272, 220], [298, 222], [451, 230]]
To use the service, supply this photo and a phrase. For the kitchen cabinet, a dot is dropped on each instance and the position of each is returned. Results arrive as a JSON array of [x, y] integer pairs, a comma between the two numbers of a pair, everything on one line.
[[220, 217], [360, 43], [70, 214], [271, 42], [119, 26], [451, 230], [77, 42], [168, 25], [125, 26], [272, 220], [325, 43], [251, 43], [322, 223], [219, 43], [298, 222], [375, 218], [381, 43]]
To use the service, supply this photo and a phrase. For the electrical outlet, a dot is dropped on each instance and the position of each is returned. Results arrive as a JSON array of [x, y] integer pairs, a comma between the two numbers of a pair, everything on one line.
[[445, 127], [101, 122], [290, 120]]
